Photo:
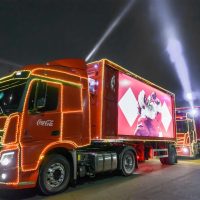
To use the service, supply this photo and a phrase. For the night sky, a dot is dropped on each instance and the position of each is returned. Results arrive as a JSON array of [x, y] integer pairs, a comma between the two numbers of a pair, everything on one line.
[[37, 31]]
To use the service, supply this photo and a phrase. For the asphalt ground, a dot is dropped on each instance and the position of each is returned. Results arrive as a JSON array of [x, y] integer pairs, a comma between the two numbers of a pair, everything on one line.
[[152, 181]]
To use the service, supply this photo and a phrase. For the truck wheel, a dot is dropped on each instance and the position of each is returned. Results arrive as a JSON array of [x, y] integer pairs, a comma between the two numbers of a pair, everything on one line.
[[172, 157], [163, 161], [54, 174], [128, 163]]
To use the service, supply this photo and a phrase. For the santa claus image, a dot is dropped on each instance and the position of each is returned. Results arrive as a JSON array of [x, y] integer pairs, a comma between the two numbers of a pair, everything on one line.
[[149, 109]]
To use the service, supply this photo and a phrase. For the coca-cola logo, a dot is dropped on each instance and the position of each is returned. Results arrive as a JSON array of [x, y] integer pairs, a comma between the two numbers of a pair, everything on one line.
[[41, 122]]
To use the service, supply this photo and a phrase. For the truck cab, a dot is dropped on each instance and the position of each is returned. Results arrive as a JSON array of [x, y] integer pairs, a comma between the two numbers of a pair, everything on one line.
[[34, 118], [187, 144]]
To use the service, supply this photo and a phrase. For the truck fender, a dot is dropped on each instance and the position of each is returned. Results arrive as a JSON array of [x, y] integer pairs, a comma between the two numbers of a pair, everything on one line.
[[65, 145], [55, 147]]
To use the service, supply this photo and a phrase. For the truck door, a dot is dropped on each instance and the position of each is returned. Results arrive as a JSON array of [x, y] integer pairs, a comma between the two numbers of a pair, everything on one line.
[[42, 120]]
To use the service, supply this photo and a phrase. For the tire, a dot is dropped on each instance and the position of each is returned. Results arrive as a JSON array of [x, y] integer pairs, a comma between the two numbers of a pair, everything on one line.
[[163, 161], [128, 163], [172, 157], [54, 175]]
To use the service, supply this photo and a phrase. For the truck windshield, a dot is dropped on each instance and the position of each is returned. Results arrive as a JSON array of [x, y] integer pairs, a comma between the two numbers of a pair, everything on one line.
[[10, 96], [182, 126]]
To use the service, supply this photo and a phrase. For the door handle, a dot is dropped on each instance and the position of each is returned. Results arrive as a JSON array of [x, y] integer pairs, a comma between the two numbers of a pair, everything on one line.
[[55, 133]]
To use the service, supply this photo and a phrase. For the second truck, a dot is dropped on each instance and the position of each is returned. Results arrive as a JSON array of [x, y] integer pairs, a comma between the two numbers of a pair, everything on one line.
[[188, 132], [66, 119]]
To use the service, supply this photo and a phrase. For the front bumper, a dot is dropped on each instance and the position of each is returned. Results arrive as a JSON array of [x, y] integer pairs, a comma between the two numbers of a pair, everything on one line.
[[11, 176], [9, 173]]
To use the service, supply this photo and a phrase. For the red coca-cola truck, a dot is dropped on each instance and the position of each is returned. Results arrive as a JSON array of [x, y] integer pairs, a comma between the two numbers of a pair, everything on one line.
[[67, 119], [188, 131]]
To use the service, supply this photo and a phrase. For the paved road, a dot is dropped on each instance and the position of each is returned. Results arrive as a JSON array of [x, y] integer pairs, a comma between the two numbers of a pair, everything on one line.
[[152, 181]]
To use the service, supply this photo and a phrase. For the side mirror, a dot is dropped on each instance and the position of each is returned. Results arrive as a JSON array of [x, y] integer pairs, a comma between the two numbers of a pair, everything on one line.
[[1, 111], [41, 95], [41, 103]]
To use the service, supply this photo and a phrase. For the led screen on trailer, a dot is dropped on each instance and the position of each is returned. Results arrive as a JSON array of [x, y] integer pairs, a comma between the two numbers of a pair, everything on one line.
[[143, 110]]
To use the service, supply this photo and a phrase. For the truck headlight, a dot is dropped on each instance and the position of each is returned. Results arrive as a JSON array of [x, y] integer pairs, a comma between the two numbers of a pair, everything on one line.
[[6, 158], [185, 150]]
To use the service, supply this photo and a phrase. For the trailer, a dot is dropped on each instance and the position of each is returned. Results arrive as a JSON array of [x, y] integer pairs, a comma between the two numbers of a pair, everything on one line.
[[66, 119], [188, 132]]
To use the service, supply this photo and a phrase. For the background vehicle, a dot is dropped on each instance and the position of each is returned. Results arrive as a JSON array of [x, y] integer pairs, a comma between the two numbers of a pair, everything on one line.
[[68, 119], [188, 132]]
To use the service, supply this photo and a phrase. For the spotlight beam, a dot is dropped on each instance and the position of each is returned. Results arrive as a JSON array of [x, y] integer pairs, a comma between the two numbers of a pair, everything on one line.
[[7, 62], [110, 29], [173, 46]]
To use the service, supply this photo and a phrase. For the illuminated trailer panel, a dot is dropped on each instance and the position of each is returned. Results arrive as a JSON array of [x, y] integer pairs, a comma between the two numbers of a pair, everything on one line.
[[128, 107], [143, 110]]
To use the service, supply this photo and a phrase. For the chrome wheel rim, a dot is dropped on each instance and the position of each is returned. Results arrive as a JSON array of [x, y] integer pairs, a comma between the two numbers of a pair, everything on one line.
[[55, 175], [128, 163]]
